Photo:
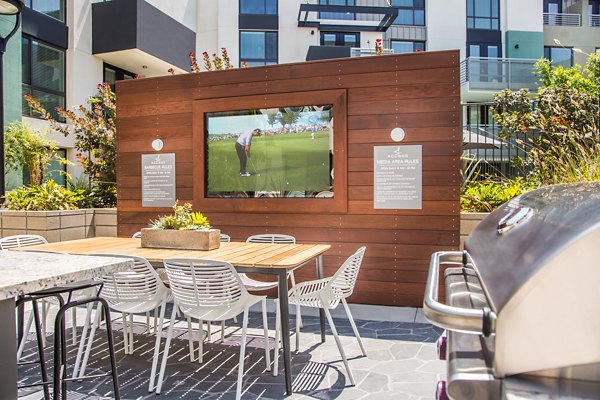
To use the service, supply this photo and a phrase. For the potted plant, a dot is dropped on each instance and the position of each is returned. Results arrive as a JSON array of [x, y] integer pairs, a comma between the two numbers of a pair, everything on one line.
[[184, 229]]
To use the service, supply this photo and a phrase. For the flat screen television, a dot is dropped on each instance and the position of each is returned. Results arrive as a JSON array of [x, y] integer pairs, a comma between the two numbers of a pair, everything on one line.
[[276, 152]]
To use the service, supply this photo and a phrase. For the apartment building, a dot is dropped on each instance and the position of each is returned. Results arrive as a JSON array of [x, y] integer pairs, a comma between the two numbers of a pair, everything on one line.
[[66, 47]]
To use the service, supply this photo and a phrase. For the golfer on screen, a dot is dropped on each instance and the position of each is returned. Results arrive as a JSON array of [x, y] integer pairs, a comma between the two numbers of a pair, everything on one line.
[[242, 148]]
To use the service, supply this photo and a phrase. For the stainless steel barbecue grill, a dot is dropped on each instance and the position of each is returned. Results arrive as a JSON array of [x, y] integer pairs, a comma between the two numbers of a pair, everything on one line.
[[522, 309]]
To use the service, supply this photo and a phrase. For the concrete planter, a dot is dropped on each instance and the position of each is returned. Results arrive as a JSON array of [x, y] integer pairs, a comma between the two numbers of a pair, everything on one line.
[[468, 222], [175, 239], [57, 226]]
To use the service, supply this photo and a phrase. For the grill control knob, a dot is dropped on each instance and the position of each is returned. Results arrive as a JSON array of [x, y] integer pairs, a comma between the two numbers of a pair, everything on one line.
[[440, 392], [441, 347]]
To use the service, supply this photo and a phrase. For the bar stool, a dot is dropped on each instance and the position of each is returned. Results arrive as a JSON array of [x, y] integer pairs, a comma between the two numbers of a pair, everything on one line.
[[60, 380]]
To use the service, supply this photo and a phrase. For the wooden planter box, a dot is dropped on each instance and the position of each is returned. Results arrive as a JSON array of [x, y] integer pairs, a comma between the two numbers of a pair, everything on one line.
[[175, 239]]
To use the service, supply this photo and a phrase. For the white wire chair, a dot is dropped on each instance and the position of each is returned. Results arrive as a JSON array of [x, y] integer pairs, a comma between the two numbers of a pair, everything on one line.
[[254, 285], [137, 235], [327, 294], [10, 242], [131, 292], [210, 290]]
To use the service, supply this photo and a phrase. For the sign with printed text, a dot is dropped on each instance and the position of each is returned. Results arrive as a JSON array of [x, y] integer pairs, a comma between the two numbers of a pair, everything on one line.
[[398, 177], [158, 180]]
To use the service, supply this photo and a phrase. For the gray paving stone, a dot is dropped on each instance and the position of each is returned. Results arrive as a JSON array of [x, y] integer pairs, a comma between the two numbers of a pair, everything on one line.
[[401, 364]]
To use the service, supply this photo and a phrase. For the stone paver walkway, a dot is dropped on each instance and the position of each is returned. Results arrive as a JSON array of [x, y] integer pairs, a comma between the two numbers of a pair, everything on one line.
[[401, 364]]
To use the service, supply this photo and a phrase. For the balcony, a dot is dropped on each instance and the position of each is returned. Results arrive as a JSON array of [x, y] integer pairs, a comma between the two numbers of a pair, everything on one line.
[[561, 19], [482, 76], [594, 20], [134, 34]]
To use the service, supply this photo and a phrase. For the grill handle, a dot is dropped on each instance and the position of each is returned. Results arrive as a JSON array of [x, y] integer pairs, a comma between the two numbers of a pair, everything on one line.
[[467, 320]]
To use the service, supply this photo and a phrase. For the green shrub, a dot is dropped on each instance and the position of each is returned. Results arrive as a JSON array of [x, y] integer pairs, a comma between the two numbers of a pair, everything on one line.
[[45, 197], [488, 195]]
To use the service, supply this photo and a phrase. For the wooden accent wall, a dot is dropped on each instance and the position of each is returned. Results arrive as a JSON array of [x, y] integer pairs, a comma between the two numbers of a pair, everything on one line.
[[418, 92]]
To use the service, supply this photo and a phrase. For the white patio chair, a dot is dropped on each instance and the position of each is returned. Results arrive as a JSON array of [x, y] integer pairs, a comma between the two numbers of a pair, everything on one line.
[[327, 294], [254, 285], [137, 235], [225, 238], [131, 292], [10, 242], [210, 290]]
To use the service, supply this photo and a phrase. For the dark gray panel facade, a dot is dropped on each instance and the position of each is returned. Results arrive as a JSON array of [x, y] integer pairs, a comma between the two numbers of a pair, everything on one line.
[[259, 21], [327, 52], [114, 26], [45, 28], [124, 24], [163, 37]]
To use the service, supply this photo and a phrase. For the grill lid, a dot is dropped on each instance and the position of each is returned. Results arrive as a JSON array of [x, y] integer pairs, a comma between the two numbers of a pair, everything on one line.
[[518, 239]]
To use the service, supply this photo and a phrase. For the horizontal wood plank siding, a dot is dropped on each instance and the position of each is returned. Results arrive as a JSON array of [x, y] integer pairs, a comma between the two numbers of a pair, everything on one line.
[[417, 92]]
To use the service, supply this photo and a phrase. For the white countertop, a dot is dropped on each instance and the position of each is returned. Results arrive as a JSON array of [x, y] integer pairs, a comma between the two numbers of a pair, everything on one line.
[[26, 272]]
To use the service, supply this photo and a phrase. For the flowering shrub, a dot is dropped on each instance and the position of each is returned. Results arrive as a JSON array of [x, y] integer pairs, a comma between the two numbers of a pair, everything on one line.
[[94, 128]]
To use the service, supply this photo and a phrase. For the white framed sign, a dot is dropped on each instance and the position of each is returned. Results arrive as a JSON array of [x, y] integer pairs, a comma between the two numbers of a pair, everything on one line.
[[158, 180], [398, 177]]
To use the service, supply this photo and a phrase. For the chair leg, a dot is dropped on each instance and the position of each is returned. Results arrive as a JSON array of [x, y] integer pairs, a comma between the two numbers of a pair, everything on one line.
[[277, 336], [131, 333], [40, 345], [360, 343], [157, 345], [91, 340], [45, 309], [340, 348], [201, 341], [293, 281], [74, 325], [190, 339], [238, 391], [298, 325], [222, 331], [266, 333], [163, 365], [125, 334], [86, 325], [25, 334], [155, 318], [148, 322], [208, 331], [111, 350]]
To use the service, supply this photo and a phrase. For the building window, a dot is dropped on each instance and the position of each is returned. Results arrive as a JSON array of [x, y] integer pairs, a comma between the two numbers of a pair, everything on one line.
[[52, 8], [265, 7], [562, 56], [483, 14], [43, 75], [484, 50], [403, 46], [113, 74], [258, 48], [410, 12], [350, 39], [333, 15]]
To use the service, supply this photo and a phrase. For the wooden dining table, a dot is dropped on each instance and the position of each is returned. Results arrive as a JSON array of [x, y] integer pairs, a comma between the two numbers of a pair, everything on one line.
[[263, 258]]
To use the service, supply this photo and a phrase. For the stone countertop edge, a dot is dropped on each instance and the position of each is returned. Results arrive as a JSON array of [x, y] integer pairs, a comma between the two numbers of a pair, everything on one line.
[[45, 270]]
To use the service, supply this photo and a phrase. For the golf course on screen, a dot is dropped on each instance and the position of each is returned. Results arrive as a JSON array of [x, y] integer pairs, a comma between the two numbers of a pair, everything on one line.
[[278, 162]]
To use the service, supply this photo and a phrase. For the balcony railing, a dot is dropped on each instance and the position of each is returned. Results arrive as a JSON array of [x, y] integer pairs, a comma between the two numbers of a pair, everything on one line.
[[561, 19], [495, 74], [362, 52], [594, 20]]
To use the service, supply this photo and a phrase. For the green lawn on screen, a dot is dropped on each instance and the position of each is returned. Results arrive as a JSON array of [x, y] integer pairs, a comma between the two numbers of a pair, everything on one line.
[[290, 162]]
